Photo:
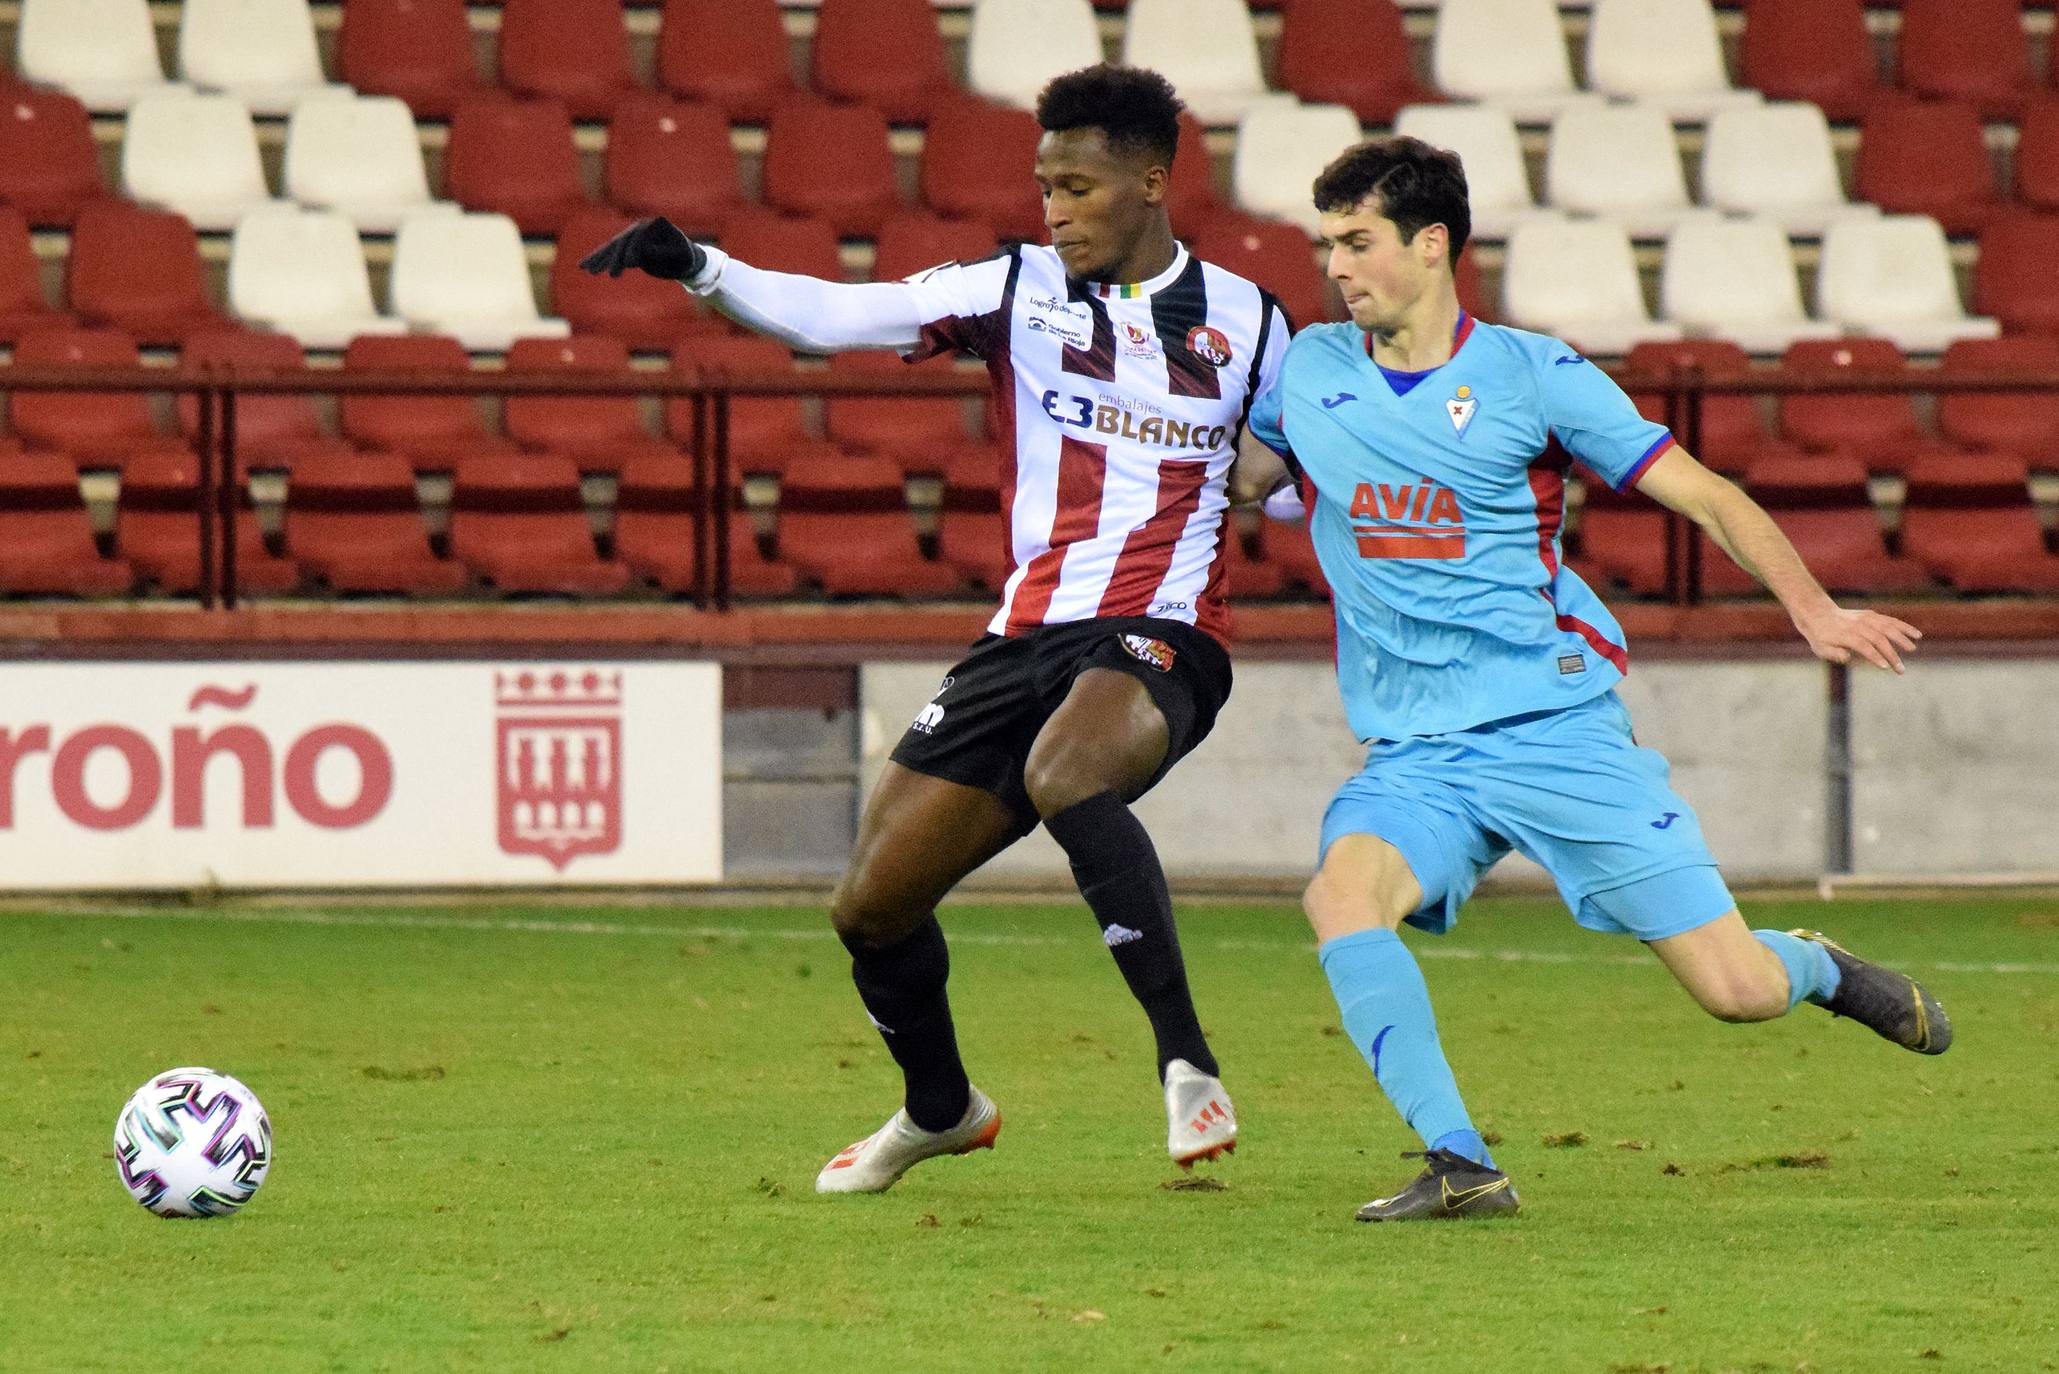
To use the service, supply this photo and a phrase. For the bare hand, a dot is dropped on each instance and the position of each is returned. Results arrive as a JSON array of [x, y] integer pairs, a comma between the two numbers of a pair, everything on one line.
[[1838, 636]]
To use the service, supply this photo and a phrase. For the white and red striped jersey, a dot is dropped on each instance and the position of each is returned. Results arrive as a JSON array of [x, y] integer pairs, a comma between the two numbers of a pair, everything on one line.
[[1120, 407]]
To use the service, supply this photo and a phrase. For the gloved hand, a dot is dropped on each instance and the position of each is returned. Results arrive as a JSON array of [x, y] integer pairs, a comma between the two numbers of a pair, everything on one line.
[[656, 245]]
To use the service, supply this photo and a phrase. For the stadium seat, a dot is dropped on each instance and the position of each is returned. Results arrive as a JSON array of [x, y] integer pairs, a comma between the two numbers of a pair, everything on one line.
[[781, 243], [1735, 279], [1619, 162], [22, 307], [515, 157], [196, 154], [433, 430], [1822, 506], [1623, 535], [831, 162], [1661, 53], [918, 434], [1927, 158], [599, 433], [1206, 48], [1510, 53], [46, 536], [2017, 279], [1776, 161], [272, 431], [914, 242], [1578, 280], [2036, 174], [1880, 429], [1485, 139], [138, 270], [353, 521], [1244, 575], [1018, 45], [1372, 74], [672, 158], [465, 275], [1969, 519], [972, 529], [1281, 148], [2025, 423], [1732, 431], [850, 36], [49, 166], [766, 433], [102, 51], [655, 505], [302, 272], [417, 50], [1471, 289], [1811, 50], [1289, 548], [359, 157], [642, 311], [262, 51], [1972, 50], [157, 529], [519, 522], [1276, 256], [976, 158], [844, 522], [572, 51], [99, 429], [1893, 277], [730, 53], [1191, 195]]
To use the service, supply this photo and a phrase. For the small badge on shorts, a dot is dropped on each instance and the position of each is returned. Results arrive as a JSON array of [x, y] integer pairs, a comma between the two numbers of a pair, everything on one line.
[[1570, 664], [1155, 652]]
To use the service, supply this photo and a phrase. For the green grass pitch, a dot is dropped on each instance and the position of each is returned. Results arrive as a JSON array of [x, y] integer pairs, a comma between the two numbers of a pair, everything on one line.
[[522, 1138]]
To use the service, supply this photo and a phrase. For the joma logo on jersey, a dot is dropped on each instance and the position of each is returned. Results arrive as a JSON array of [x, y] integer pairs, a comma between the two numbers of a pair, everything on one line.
[[1411, 520], [1103, 418]]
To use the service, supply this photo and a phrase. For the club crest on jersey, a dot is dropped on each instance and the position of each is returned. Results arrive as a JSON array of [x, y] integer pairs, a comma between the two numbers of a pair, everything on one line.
[[1155, 652], [1140, 344], [1460, 408], [1209, 345]]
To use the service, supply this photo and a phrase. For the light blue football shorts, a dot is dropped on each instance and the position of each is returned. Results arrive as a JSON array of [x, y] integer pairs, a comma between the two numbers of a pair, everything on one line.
[[1570, 789]]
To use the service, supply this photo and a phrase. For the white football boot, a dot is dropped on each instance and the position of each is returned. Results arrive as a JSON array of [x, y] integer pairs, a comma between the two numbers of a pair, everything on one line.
[[873, 1164], [1202, 1123]]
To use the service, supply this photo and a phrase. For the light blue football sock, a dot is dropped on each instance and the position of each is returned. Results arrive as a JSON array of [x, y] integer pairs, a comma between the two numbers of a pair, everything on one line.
[[1386, 1009], [1810, 971]]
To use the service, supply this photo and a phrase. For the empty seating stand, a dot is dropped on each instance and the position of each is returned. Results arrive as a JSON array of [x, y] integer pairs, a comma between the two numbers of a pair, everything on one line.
[[46, 538], [157, 529], [1822, 506], [353, 522], [656, 505], [1969, 519], [845, 524], [518, 521]]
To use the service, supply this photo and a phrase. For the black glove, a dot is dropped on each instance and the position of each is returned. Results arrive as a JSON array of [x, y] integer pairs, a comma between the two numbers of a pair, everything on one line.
[[656, 245]]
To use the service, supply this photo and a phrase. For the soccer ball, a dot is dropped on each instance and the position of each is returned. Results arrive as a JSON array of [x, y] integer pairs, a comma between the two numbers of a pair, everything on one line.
[[192, 1143]]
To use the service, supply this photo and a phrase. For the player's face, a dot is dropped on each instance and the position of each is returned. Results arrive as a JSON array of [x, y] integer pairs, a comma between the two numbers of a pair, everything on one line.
[[1098, 203], [1381, 277]]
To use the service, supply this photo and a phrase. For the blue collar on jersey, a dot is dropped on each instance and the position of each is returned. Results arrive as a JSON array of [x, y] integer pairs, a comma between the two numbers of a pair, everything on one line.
[[1404, 382]]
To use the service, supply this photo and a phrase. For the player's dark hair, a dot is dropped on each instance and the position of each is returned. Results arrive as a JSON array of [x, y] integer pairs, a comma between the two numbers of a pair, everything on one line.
[[1134, 107], [1413, 184]]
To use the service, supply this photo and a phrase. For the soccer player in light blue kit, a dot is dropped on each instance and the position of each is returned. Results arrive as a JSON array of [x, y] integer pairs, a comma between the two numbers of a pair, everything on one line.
[[1480, 670]]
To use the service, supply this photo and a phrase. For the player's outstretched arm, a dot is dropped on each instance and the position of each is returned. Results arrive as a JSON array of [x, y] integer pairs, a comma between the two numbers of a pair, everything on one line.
[[1744, 531]]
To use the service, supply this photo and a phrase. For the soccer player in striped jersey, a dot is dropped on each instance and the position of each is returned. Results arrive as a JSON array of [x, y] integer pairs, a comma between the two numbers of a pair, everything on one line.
[[1123, 369], [1481, 671]]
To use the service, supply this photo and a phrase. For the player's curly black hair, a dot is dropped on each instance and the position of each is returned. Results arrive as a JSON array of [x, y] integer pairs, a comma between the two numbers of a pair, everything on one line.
[[1415, 185], [1133, 106]]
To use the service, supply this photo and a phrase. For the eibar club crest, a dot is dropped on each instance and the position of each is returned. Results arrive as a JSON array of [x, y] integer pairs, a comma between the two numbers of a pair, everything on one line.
[[1460, 408], [558, 757]]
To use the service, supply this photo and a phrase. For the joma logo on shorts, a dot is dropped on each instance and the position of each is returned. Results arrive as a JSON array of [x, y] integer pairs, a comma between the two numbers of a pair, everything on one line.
[[1411, 520]]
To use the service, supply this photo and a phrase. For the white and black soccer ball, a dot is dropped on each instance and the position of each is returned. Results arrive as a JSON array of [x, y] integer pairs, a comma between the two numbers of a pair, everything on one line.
[[192, 1143]]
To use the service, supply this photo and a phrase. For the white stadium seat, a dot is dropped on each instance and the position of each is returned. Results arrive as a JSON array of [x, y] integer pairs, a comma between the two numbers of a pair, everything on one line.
[[102, 51], [1018, 45], [1206, 48], [1485, 139], [1664, 53], [196, 154], [262, 50], [466, 276], [1618, 161], [1282, 146], [1577, 279], [1735, 279], [302, 272], [1776, 160], [1892, 276], [359, 156], [1510, 53]]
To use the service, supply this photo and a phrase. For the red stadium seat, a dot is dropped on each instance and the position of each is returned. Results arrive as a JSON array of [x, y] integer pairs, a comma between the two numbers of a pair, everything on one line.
[[46, 537], [730, 53], [972, 529], [435, 431], [2037, 155], [844, 523], [1248, 574], [515, 157], [672, 158], [1289, 548], [915, 242], [1813, 50], [599, 433], [1928, 158], [642, 311], [157, 529], [1623, 533], [1970, 520], [271, 430], [976, 162], [915, 433], [766, 433], [1276, 255], [832, 162], [1191, 198], [1972, 50], [139, 271], [49, 165], [520, 523], [354, 523], [654, 533], [1371, 73], [1822, 505], [576, 51], [2025, 423], [1732, 430], [2017, 279], [418, 50], [851, 36], [99, 429], [22, 307], [781, 243], [1877, 428]]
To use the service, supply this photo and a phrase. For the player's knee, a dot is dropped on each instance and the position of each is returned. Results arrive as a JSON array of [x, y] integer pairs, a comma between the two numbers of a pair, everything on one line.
[[1058, 777], [860, 910], [1335, 907]]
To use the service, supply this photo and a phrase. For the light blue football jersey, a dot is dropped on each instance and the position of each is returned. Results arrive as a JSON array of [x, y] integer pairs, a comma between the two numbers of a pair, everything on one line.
[[1436, 507]]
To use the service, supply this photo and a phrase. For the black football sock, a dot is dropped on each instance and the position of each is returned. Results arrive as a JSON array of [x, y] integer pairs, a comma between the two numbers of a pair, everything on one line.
[[1117, 869], [902, 986]]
